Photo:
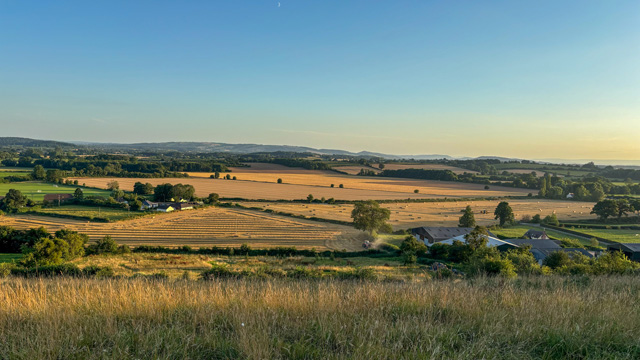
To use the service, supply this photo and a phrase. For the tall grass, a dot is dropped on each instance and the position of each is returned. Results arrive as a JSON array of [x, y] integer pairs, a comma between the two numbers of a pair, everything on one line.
[[546, 317]]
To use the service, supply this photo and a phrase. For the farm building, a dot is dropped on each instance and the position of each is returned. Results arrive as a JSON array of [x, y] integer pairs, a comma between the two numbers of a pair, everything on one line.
[[491, 242], [536, 235], [148, 205], [540, 248], [58, 197], [434, 234], [184, 205], [631, 250], [164, 208]]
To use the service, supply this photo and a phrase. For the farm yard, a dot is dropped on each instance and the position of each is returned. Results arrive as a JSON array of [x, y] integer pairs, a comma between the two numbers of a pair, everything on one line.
[[35, 190], [407, 215], [207, 227]]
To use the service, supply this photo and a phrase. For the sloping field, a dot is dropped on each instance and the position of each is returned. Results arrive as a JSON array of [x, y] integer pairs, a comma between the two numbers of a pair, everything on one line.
[[319, 182], [354, 170], [207, 227], [35, 190], [408, 215], [454, 169]]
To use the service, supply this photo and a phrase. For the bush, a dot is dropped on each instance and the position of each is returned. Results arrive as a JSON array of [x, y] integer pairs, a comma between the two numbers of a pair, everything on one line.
[[492, 266], [357, 274], [614, 262], [106, 245], [218, 271], [5, 269], [557, 259]]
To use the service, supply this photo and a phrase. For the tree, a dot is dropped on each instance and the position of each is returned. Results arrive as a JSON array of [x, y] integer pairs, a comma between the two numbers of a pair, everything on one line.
[[106, 245], [279, 181], [76, 242], [369, 216], [536, 219], [39, 173], [216, 175], [597, 194], [381, 166], [46, 251], [543, 189], [557, 259], [410, 248], [623, 207], [13, 201], [582, 193], [341, 186], [117, 194], [213, 198], [605, 209], [78, 194], [551, 220], [54, 175], [142, 189], [504, 213], [113, 185], [310, 198], [467, 219], [477, 238]]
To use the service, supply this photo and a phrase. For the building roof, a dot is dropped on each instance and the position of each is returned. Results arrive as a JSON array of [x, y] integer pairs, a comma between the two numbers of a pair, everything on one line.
[[439, 233], [148, 203], [631, 247], [541, 244], [572, 251], [491, 241], [536, 234], [165, 206]]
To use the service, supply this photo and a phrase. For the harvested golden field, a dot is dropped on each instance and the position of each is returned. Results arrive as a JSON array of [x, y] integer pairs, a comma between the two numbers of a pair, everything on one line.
[[318, 183], [408, 215], [207, 227], [454, 169]]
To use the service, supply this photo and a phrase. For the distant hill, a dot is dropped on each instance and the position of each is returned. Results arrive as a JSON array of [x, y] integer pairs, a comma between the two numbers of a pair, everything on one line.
[[26, 142]]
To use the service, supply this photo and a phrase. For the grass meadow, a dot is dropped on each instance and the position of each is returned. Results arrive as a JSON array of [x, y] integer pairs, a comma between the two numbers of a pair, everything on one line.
[[528, 318], [35, 190], [112, 214]]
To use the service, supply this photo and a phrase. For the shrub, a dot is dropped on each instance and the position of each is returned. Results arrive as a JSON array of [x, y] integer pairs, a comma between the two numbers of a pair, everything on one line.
[[557, 259], [357, 274], [492, 266], [218, 271], [5, 269], [614, 262], [106, 245]]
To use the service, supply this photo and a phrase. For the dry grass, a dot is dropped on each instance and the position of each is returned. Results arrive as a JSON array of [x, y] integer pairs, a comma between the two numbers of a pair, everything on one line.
[[406, 215], [549, 318], [207, 227]]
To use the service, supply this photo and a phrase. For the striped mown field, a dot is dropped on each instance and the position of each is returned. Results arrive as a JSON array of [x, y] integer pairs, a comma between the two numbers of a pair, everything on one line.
[[207, 227]]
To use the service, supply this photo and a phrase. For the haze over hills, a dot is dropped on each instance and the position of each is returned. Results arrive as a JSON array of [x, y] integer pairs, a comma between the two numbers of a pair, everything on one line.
[[206, 147]]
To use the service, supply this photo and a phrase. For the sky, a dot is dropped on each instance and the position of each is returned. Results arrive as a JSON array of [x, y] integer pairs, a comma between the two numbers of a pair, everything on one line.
[[530, 79]]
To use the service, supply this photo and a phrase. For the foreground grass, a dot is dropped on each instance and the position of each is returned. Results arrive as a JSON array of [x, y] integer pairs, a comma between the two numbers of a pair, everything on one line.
[[552, 318]]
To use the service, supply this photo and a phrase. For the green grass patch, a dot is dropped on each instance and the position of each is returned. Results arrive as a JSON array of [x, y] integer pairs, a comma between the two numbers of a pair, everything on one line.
[[7, 258], [36, 190], [618, 235], [111, 214]]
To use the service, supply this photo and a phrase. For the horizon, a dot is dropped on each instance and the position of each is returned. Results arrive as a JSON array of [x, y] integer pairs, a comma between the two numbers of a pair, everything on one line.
[[544, 80]]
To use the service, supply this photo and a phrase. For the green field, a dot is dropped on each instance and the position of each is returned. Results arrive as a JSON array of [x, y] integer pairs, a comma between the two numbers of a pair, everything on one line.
[[111, 214], [4, 258], [618, 235], [516, 232], [36, 190], [4, 173]]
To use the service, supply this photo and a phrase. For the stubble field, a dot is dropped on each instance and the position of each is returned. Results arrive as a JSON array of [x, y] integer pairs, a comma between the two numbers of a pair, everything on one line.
[[299, 183], [207, 227], [407, 215]]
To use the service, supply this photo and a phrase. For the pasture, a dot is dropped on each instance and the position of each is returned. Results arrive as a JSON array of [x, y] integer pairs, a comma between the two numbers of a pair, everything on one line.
[[617, 235], [7, 258], [207, 227], [408, 215], [111, 214], [35, 190]]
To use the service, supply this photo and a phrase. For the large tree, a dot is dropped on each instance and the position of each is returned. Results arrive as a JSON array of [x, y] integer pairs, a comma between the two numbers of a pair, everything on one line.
[[369, 216], [39, 173], [142, 189], [467, 219], [504, 213], [14, 200], [477, 238], [605, 209]]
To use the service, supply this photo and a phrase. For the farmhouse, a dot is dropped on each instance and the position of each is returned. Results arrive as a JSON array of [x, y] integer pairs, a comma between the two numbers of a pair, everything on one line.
[[164, 208], [536, 235], [148, 205], [540, 248], [434, 234], [58, 197], [631, 250], [184, 205], [491, 242]]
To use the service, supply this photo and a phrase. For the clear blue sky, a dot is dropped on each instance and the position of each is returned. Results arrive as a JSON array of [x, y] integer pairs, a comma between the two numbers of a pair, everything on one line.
[[533, 79]]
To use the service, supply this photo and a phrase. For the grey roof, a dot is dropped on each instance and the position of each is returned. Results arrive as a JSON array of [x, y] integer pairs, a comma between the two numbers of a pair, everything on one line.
[[577, 250], [535, 233], [443, 232], [165, 206], [632, 247], [541, 244]]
